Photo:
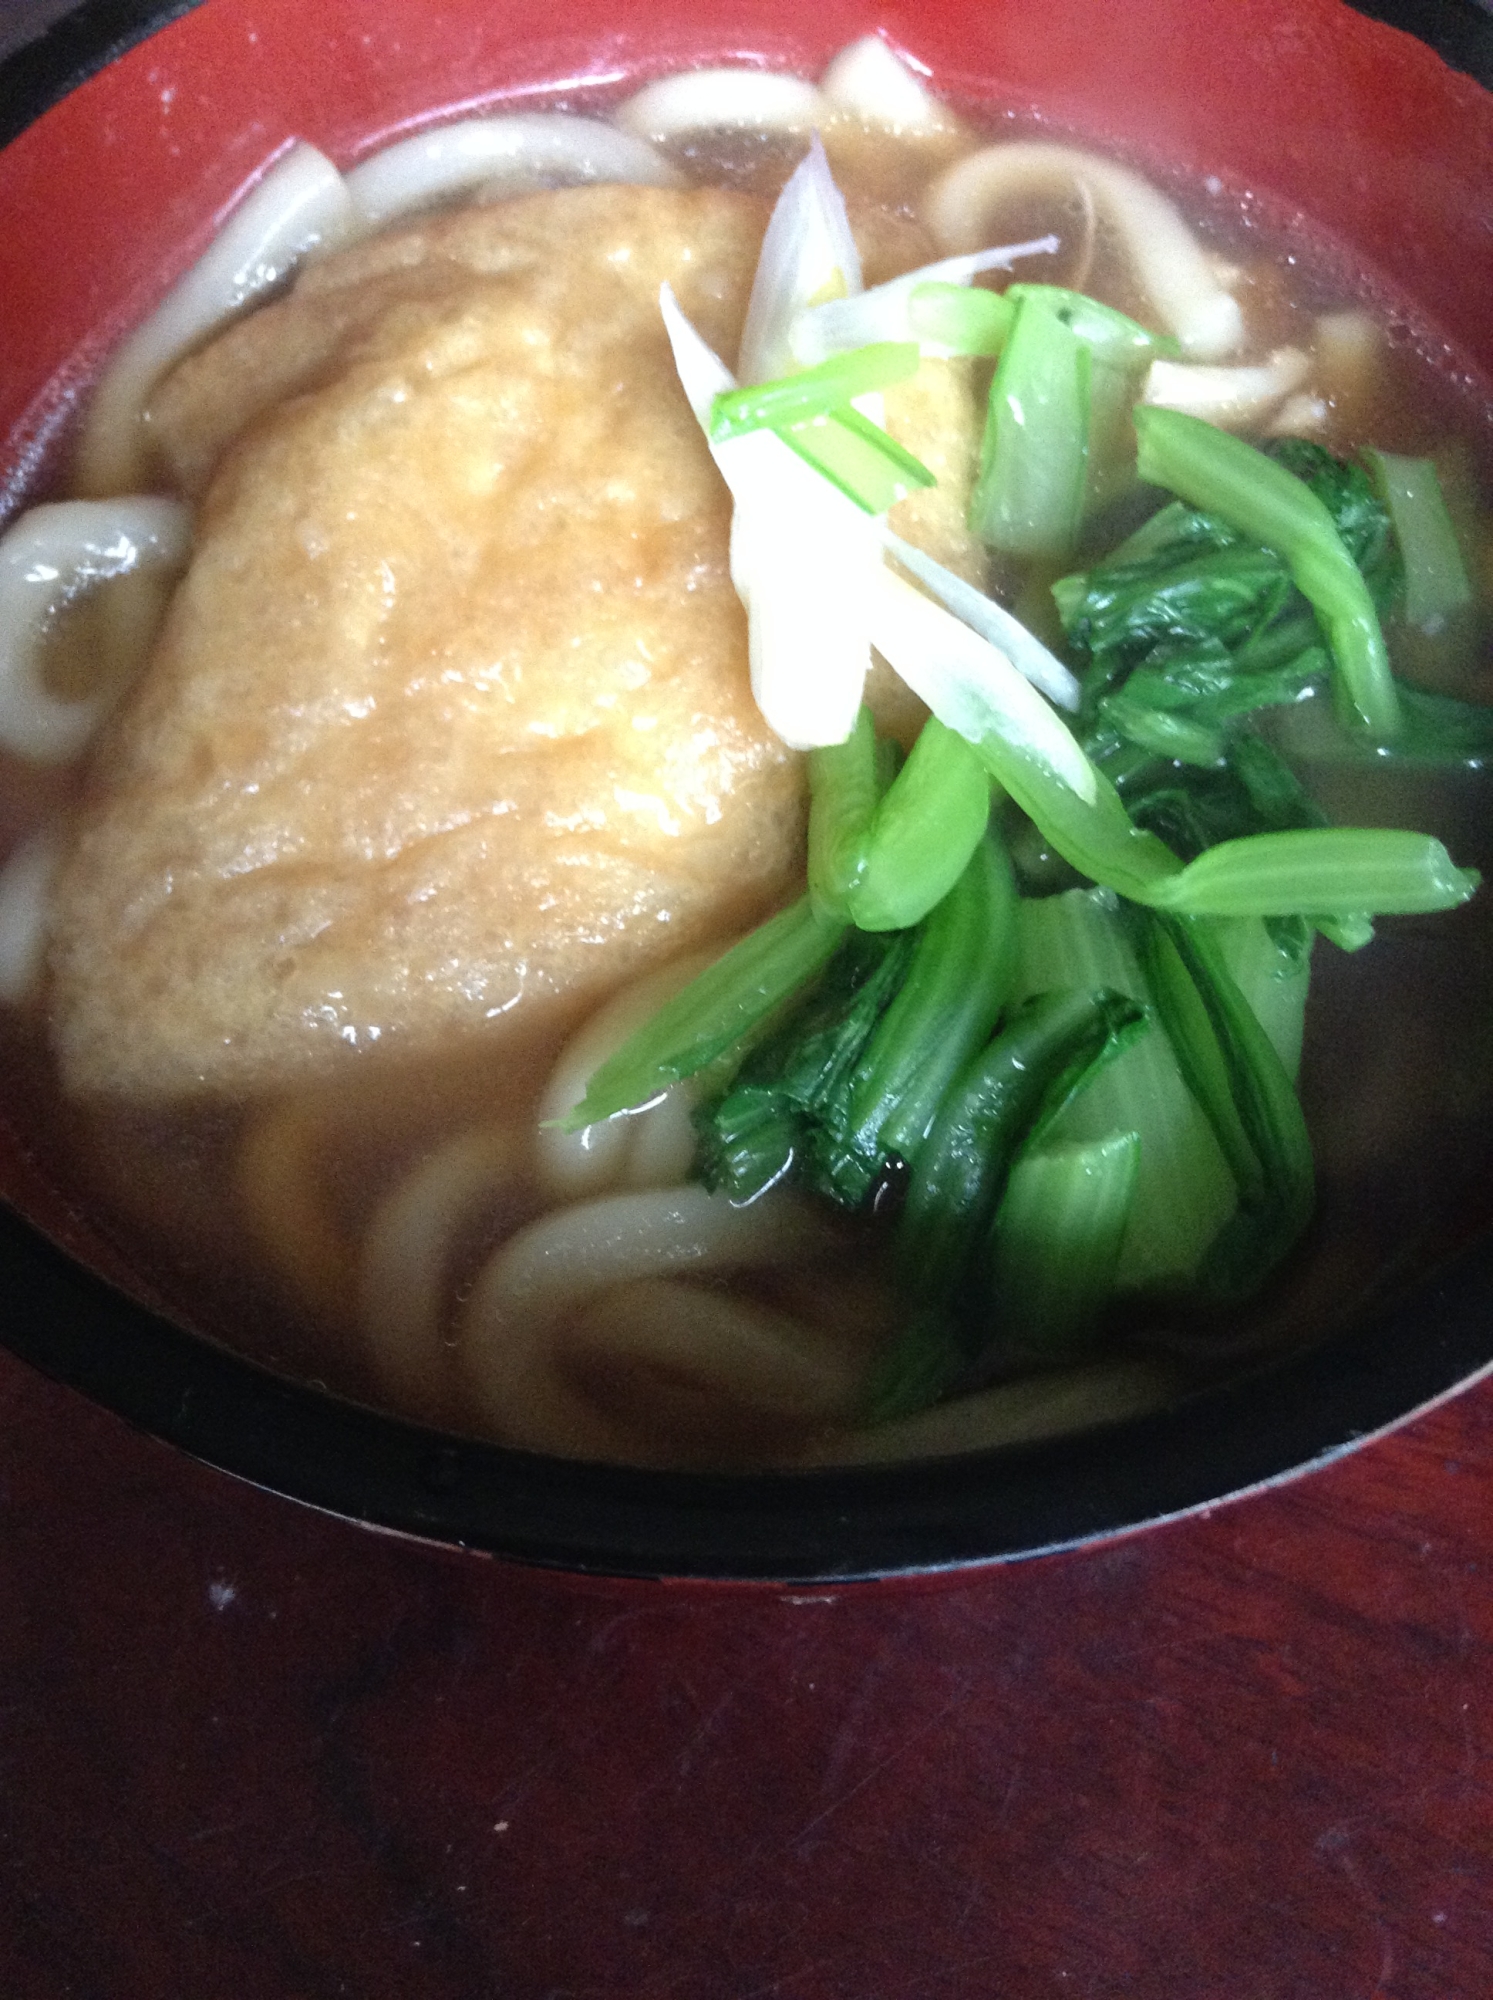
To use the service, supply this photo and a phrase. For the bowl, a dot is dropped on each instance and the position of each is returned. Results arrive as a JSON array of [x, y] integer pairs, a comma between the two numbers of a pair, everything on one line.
[[133, 125]]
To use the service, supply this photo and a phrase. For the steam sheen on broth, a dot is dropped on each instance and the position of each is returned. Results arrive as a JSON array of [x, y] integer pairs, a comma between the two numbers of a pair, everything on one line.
[[443, 772]]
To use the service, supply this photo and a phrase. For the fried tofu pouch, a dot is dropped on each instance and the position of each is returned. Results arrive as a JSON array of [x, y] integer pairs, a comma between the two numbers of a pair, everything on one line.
[[450, 718]]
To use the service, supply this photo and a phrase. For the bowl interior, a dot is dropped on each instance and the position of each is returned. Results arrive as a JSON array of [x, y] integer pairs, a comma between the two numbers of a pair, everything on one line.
[[1307, 108]]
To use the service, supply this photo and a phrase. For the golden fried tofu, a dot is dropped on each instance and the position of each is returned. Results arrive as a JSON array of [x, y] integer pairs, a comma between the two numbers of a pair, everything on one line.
[[450, 719]]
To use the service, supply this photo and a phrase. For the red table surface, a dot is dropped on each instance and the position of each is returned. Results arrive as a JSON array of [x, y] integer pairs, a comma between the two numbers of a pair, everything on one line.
[[252, 1751], [249, 1751]]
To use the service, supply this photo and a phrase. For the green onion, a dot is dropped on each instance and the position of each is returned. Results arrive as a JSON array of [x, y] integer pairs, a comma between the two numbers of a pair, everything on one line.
[[859, 457], [714, 1013], [1334, 871], [1022, 742], [1029, 497], [965, 319], [1225, 476], [885, 861], [1436, 581], [812, 392]]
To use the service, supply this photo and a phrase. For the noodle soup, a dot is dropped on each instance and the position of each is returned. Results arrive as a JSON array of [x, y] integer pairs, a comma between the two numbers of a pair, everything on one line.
[[348, 1158]]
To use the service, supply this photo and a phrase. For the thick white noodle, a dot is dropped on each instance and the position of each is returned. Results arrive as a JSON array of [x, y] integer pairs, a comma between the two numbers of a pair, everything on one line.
[[301, 206], [1235, 399], [25, 907], [867, 81], [706, 100], [514, 1329], [648, 1148], [1041, 1406], [286, 1204], [1168, 261], [47, 558], [1303, 416], [402, 1272], [1348, 360], [497, 157]]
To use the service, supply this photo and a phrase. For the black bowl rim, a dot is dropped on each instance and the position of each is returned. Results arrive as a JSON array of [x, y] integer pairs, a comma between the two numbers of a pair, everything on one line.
[[821, 1527], [790, 1527]]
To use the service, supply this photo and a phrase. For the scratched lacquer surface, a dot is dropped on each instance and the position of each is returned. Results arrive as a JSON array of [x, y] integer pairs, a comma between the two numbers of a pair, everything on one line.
[[250, 1752]]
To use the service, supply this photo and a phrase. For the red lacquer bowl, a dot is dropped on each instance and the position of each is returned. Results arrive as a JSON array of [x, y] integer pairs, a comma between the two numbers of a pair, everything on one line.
[[133, 126]]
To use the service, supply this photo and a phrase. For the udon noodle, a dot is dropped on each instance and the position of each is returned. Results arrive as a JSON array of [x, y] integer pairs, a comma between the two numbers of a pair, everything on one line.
[[373, 1179]]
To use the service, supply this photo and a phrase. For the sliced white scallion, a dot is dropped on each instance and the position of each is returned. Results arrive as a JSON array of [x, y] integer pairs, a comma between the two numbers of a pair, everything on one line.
[[804, 565], [991, 620], [800, 552], [706, 100], [971, 685], [498, 157], [1232, 398], [1170, 264], [869, 81], [808, 255], [50, 556], [300, 207], [883, 312]]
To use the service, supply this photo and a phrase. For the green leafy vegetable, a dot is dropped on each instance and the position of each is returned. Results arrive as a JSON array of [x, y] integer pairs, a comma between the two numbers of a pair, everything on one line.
[[1261, 498], [1031, 1069], [714, 1013], [1105, 332], [1335, 871], [1029, 497], [1436, 580], [885, 860], [779, 1113], [1056, 1243], [1244, 1091], [851, 1081], [957, 983]]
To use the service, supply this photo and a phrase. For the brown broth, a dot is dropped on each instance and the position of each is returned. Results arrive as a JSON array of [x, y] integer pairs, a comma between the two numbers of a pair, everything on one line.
[[1398, 1072]]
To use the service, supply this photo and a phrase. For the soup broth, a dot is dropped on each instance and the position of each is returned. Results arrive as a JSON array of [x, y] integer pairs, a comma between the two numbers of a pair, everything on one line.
[[340, 1217]]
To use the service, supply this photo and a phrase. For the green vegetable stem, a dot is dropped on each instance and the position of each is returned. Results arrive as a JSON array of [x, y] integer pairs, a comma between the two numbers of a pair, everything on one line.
[[883, 860]]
